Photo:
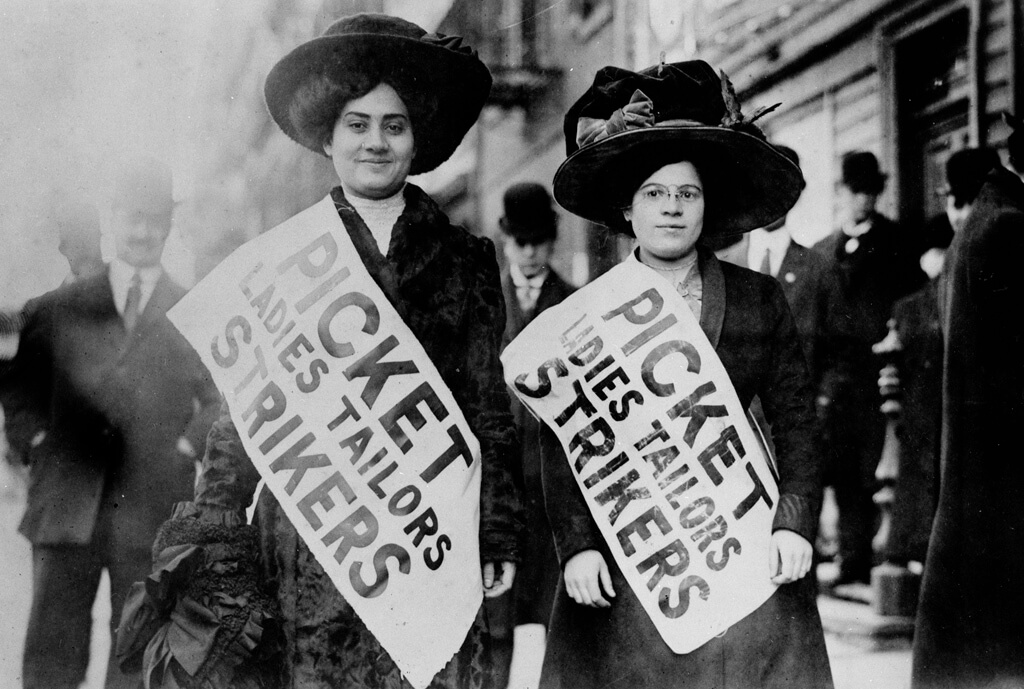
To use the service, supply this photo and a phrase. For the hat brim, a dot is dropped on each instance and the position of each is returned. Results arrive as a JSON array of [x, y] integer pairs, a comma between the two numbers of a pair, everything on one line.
[[458, 82], [530, 234], [751, 184]]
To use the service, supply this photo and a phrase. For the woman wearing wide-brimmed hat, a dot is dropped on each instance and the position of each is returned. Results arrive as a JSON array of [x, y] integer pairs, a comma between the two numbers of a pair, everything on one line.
[[665, 155], [383, 99]]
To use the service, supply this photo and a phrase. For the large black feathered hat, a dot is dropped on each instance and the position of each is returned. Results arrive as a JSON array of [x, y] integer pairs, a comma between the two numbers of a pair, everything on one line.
[[401, 53], [629, 124]]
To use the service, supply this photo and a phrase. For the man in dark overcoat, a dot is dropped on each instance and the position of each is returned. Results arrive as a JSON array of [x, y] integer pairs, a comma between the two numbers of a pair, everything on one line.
[[969, 631], [877, 263], [126, 405], [530, 285], [918, 324], [811, 285]]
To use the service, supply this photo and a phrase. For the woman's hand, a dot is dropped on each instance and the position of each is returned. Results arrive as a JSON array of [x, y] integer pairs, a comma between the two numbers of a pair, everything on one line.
[[586, 573], [789, 556], [495, 587]]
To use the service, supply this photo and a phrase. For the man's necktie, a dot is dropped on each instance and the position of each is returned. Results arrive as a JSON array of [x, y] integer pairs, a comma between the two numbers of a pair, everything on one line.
[[132, 302], [766, 262]]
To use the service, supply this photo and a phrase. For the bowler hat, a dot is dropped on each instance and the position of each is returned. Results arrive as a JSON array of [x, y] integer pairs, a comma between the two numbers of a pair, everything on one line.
[[529, 217], [400, 53], [860, 173], [629, 124]]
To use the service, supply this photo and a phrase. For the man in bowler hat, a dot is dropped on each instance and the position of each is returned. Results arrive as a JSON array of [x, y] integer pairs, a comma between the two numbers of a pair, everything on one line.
[[531, 285], [876, 265], [811, 286], [126, 405]]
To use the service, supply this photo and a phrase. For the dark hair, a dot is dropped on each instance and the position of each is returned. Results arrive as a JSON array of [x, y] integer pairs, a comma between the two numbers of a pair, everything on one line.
[[319, 101], [633, 176], [966, 171]]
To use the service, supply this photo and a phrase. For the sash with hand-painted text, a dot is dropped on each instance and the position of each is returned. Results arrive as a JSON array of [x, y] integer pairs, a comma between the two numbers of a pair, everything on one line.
[[353, 429], [660, 446]]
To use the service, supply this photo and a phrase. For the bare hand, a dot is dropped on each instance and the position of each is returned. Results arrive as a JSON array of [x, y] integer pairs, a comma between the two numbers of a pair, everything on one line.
[[495, 587], [789, 556], [586, 573]]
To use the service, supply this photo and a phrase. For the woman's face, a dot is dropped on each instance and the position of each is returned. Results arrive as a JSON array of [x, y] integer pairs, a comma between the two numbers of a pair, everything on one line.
[[372, 145], [667, 213]]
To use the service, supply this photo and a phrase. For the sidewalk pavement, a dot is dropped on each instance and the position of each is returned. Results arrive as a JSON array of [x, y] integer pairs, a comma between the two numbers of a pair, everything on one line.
[[865, 652], [859, 660]]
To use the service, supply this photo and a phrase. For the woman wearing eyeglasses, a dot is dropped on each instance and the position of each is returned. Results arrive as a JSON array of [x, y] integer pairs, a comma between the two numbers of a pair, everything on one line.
[[665, 156]]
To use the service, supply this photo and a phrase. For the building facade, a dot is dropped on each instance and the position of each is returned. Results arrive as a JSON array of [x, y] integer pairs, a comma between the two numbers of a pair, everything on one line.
[[910, 80]]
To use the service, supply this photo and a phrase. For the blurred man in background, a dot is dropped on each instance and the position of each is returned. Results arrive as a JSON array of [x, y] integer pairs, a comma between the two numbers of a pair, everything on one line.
[[125, 405], [876, 265], [917, 322], [811, 286], [76, 225], [78, 232], [530, 285]]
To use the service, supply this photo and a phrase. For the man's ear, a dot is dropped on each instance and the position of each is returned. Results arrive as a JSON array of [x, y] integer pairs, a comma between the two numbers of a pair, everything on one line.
[[627, 213], [328, 146]]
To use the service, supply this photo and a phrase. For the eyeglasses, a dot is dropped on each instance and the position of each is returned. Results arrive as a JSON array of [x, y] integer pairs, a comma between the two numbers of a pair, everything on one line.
[[655, 193]]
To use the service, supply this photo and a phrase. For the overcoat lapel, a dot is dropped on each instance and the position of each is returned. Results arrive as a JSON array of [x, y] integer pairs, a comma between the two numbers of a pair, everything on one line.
[[405, 274], [712, 310], [550, 294], [517, 319], [160, 301]]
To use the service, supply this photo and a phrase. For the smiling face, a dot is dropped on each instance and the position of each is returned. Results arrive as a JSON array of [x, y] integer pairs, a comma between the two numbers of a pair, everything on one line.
[[372, 145], [140, 233], [667, 213]]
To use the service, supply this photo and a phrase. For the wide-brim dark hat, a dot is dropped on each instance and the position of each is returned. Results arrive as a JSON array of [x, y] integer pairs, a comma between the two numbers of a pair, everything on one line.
[[442, 67], [631, 124]]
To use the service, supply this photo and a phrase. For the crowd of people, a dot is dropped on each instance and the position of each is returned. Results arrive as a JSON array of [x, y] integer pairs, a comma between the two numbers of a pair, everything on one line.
[[142, 465]]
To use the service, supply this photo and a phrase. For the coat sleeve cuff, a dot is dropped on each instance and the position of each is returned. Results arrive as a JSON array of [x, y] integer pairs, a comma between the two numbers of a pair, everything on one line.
[[581, 534], [797, 513]]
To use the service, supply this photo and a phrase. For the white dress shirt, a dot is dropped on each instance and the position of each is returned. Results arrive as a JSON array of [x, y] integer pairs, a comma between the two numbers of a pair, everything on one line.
[[121, 275], [527, 289], [775, 243]]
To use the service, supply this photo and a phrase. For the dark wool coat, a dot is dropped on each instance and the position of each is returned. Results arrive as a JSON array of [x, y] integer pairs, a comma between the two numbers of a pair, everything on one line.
[[445, 285], [537, 577], [811, 286], [114, 406], [920, 371], [781, 644], [882, 268], [969, 631]]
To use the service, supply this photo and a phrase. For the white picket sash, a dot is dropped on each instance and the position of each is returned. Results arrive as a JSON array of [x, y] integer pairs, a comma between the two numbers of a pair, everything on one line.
[[660, 447], [352, 428]]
